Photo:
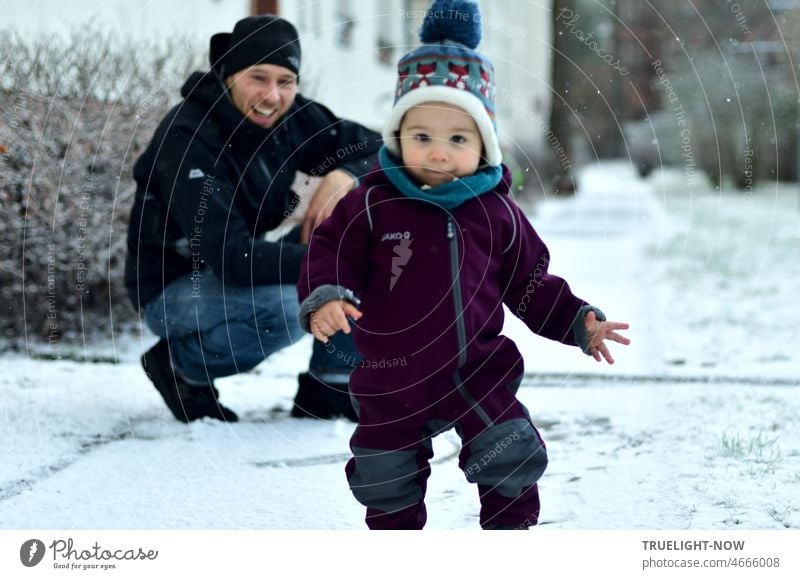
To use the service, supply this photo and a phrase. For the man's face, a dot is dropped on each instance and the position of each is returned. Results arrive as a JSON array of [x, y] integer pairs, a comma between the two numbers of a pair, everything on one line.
[[263, 93]]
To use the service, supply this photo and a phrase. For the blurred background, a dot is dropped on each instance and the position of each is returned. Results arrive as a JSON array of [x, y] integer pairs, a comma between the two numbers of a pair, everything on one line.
[[684, 113]]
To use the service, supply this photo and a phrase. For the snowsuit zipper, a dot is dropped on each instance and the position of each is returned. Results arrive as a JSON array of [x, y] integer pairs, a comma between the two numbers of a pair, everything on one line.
[[458, 301]]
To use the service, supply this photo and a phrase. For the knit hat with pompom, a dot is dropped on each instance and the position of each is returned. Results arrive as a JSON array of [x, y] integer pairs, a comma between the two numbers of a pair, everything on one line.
[[447, 68]]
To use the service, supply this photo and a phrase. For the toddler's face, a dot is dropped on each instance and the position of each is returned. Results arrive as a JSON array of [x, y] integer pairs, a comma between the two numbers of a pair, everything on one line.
[[439, 142]]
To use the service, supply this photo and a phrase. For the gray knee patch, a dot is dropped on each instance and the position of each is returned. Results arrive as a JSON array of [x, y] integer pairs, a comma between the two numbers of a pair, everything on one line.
[[385, 480], [506, 456]]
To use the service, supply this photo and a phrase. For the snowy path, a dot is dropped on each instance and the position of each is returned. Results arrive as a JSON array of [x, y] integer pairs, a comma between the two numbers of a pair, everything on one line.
[[597, 243], [671, 456]]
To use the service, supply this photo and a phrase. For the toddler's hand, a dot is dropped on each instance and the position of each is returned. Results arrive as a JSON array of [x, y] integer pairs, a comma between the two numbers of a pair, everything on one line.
[[332, 317], [600, 331]]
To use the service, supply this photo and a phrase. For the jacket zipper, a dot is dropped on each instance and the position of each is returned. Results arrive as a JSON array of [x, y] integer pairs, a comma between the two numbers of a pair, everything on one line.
[[458, 300], [263, 165]]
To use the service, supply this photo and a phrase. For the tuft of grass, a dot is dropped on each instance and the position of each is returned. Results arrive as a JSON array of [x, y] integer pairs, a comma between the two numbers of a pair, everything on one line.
[[781, 515], [759, 451], [759, 447]]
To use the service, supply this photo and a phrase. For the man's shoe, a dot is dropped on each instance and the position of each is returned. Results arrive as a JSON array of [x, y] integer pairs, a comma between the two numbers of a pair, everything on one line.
[[186, 402], [318, 399], [205, 400]]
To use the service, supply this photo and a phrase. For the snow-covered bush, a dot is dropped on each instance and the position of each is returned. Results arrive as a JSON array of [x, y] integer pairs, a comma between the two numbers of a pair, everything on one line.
[[75, 113]]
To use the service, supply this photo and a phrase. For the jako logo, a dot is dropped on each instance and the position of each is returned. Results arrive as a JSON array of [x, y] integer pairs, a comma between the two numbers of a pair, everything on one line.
[[402, 253], [396, 236], [31, 553]]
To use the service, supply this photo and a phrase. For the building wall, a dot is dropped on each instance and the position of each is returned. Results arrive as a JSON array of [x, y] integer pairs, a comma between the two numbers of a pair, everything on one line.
[[153, 19], [357, 80], [517, 37], [350, 48]]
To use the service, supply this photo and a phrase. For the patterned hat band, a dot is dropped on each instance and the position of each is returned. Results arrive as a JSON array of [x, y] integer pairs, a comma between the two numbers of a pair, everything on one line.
[[475, 76]]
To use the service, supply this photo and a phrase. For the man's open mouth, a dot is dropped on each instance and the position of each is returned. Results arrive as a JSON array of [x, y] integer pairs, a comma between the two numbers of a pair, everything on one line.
[[266, 113]]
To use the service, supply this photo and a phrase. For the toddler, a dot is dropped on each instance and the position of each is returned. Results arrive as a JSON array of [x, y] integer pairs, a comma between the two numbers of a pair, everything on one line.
[[418, 262]]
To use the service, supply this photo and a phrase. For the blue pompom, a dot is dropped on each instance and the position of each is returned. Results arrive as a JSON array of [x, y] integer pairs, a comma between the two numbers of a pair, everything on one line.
[[455, 20]]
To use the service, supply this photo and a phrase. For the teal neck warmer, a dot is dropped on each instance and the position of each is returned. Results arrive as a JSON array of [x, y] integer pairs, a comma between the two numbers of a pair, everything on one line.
[[448, 195]]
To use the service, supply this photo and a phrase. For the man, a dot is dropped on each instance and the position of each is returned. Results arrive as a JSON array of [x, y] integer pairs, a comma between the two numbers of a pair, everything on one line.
[[215, 178]]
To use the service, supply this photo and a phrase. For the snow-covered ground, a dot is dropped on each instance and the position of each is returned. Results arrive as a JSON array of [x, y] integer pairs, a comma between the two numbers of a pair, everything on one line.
[[697, 426]]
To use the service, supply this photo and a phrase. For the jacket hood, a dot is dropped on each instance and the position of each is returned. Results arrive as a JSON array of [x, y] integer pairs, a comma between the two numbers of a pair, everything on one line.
[[204, 87]]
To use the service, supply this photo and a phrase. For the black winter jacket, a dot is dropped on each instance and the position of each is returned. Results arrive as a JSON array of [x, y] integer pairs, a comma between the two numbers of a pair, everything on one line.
[[211, 184]]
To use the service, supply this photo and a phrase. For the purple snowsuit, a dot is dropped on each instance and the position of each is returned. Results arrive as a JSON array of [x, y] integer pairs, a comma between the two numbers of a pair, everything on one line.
[[431, 285]]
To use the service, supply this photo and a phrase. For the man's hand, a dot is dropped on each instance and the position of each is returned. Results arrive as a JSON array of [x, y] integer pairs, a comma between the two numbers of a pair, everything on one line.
[[600, 331], [333, 187], [332, 317]]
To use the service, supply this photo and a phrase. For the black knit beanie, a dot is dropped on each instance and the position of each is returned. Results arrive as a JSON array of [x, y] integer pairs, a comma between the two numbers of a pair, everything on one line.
[[264, 39]]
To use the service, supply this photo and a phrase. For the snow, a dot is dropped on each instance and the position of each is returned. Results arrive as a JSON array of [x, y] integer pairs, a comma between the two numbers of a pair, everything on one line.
[[697, 426]]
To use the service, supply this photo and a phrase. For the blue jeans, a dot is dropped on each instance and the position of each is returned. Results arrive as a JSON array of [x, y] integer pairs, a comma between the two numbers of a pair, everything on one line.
[[216, 330]]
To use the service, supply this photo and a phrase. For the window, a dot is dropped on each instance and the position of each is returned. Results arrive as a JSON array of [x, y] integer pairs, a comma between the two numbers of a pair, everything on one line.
[[345, 23]]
